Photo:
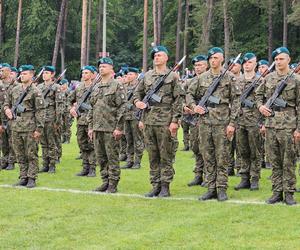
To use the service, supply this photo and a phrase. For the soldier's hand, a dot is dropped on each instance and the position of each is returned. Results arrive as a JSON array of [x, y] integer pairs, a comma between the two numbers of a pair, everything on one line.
[[265, 111], [73, 112], [173, 129], [140, 105], [230, 132], [262, 130], [117, 134], [91, 134], [187, 110], [141, 125], [9, 114], [36, 135], [1, 129], [199, 110], [297, 136]]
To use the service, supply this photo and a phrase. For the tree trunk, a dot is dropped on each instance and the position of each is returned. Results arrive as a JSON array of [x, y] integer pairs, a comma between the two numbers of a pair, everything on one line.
[[154, 13], [63, 38], [159, 20], [83, 33], [145, 38], [58, 32], [1, 18], [206, 24], [285, 24], [178, 30], [270, 30], [226, 30], [186, 30], [18, 34], [98, 28], [88, 33]]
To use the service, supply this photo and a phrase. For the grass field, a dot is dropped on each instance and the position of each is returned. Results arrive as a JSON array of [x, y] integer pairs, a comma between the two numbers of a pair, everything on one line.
[[66, 219]]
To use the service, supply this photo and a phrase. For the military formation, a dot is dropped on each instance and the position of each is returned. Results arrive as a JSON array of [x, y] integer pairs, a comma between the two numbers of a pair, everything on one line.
[[237, 117]]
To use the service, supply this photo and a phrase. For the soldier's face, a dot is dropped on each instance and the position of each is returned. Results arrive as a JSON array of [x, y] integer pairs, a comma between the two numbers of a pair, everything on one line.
[[249, 66], [200, 67], [47, 75], [64, 87], [26, 76], [5, 72], [13, 75], [215, 61], [282, 61], [86, 75], [236, 69], [131, 76], [262, 69], [160, 58], [105, 69]]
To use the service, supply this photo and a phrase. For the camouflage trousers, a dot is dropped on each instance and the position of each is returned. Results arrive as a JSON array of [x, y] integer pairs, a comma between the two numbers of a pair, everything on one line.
[[215, 149], [8, 154], [135, 141], [123, 145], [199, 166], [86, 146], [280, 149], [48, 144], [58, 143], [249, 145], [160, 147], [26, 150], [107, 155], [66, 127], [186, 133]]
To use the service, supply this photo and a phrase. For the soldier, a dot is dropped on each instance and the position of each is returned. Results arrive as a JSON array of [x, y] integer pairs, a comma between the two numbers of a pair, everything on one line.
[[26, 125], [14, 73], [236, 68], [262, 66], [51, 94], [161, 121], [134, 136], [200, 66], [247, 134], [8, 155], [106, 120], [67, 119], [86, 146], [217, 126], [282, 127]]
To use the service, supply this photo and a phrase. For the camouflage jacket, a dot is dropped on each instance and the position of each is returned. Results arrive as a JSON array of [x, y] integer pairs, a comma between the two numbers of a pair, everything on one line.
[[108, 106], [53, 102], [129, 107], [248, 116], [170, 108], [224, 113], [286, 118], [34, 116]]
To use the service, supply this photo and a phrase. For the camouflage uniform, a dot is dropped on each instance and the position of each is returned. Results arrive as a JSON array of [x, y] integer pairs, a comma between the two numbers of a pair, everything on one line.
[[157, 118], [85, 145], [280, 147], [25, 147], [61, 101], [186, 127], [107, 114], [67, 121], [53, 119], [214, 145]]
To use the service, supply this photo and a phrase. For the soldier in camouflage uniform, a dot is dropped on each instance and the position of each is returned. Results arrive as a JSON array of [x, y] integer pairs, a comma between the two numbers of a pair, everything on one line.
[[200, 66], [282, 128], [51, 94], [247, 134], [106, 120], [67, 119], [27, 126], [134, 136], [85, 144], [8, 155], [161, 121], [216, 128]]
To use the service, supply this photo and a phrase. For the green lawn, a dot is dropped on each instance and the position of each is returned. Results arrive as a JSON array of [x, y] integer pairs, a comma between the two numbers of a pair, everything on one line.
[[40, 219]]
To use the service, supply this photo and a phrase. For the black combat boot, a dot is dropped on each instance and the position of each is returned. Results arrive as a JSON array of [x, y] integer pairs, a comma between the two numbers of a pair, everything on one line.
[[289, 198], [230, 171], [129, 164], [10, 167], [51, 170], [136, 165], [123, 157], [198, 180], [44, 169], [204, 184], [84, 171], [254, 184], [209, 195], [103, 187], [22, 182], [92, 172], [31, 183], [276, 197], [154, 192], [244, 184], [222, 196], [165, 190], [112, 187]]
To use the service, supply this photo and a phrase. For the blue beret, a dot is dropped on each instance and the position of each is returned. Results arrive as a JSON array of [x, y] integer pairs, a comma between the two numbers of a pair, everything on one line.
[[88, 67], [263, 62], [14, 69], [105, 60], [239, 61], [26, 67], [248, 56], [280, 50], [64, 81], [132, 69], [49, 68], [199, 58], [213, 51], [157, 49], [5, 65]]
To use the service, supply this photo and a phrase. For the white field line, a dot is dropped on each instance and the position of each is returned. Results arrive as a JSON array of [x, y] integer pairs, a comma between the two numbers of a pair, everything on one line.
[[76, 191]]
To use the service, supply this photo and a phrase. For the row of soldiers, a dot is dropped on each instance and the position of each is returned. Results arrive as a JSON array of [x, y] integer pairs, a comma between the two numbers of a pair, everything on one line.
[[153, 107]]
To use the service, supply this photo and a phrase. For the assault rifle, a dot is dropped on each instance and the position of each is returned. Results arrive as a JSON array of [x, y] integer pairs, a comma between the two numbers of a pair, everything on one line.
[[47, 90]]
